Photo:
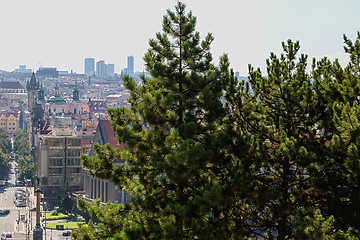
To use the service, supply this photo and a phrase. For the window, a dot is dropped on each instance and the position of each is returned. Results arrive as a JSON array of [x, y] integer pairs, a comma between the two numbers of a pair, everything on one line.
[[56, 153], [74, 142], [74, 152], [74, 162], [55, 180], [55, 143], [55, 162], [74, 180], [55, 170]]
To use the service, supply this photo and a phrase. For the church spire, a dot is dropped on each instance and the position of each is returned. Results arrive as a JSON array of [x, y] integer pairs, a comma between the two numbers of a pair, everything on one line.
[[76, 96], [33, 83], [32, 88], [41, 95]]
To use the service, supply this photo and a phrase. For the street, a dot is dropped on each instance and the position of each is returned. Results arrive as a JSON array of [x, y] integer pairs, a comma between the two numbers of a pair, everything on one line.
[[9, 222]]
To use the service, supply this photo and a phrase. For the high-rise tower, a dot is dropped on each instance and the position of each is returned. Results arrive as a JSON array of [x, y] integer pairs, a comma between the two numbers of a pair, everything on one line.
[[89, 66], [101, 69], [130, 65]]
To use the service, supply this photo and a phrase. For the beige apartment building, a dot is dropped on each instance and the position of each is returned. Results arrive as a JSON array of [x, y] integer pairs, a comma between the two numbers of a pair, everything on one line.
[[58, 164]]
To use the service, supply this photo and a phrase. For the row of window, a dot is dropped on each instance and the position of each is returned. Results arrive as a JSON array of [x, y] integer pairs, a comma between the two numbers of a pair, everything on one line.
[[74, 152], [74, 180], [54, 162], [55, 180], [74, 170], [76, 142], [7, 124], [57, 171], [56, 143], [56, 153], [58, 162], [74, 162], [12, 91], [58, 180], [60, 142], [60, 153]]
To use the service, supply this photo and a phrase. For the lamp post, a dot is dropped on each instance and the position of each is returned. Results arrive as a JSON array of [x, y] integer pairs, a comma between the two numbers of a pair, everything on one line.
[[45, 223], [38, 231]]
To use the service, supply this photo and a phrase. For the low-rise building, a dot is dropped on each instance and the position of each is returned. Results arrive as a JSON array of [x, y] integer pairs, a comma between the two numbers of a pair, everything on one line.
[[96, 188], [9, 122]]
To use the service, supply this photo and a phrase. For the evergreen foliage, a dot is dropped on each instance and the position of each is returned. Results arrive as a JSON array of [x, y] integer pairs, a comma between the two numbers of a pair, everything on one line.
[[206, 158], [339, 170]]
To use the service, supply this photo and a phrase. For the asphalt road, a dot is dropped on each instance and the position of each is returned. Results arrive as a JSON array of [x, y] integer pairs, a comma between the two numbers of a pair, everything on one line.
[[8, 223]]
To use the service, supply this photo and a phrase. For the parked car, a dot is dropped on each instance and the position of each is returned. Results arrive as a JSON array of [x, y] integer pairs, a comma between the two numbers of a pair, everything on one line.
[[66, 233], [20, 203], [33, 209], [4, 212], [6, 236], [19, 183]]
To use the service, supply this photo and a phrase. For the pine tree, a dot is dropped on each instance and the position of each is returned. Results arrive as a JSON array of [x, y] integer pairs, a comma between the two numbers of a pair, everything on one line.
[[275, 141], [339, 169], [207, 157], [175, 169]]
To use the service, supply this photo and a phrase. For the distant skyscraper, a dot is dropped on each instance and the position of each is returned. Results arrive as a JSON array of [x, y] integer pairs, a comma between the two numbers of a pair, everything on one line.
[[101, 69], [130, 65], [110, 70], [89, 66]]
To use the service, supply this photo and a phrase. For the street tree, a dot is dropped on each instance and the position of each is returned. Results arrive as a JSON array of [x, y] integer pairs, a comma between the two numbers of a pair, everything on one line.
[[5, 143], [23, 157], [4, 164]]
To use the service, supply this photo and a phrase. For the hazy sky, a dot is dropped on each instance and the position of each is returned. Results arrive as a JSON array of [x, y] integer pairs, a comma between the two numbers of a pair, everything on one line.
[[61, 33]]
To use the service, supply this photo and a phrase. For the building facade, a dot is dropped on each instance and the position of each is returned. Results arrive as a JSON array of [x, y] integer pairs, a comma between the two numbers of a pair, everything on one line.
[[48, 72], [11, 87], [110, 70], [9, 122], [101, 69], [96, 188], [89, 66], [58, 163], [130, 65]]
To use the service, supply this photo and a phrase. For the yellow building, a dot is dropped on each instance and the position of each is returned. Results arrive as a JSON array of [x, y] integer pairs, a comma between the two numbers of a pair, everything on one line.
[[9, 122]]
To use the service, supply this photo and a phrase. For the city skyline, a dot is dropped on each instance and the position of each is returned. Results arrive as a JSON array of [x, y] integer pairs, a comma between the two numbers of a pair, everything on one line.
[[62, 34]]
